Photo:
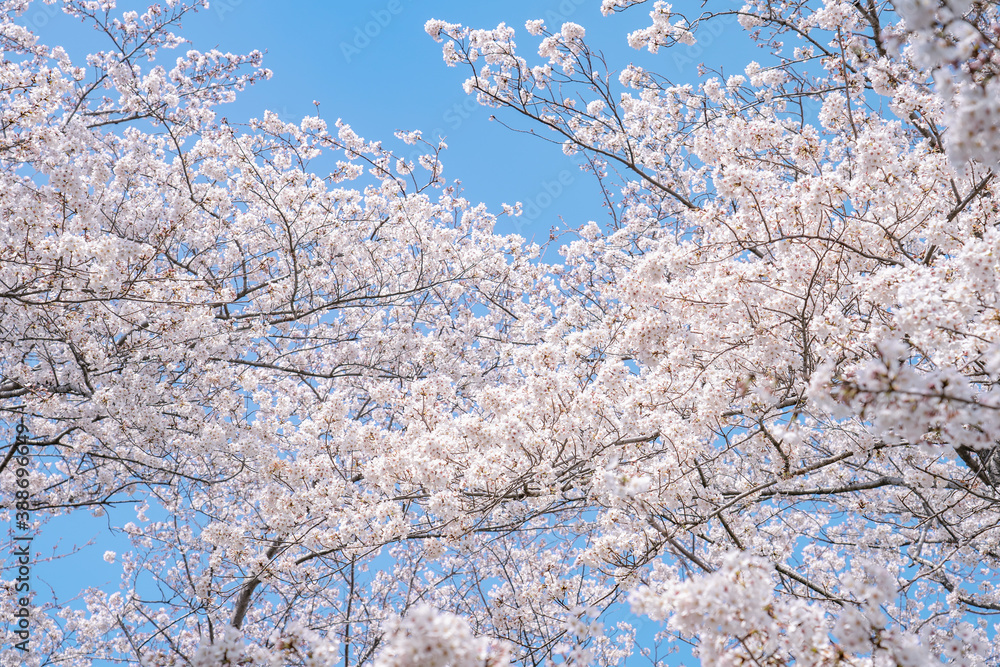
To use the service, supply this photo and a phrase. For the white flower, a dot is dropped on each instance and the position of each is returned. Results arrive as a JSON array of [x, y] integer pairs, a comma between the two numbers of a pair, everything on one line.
[[535, 27]]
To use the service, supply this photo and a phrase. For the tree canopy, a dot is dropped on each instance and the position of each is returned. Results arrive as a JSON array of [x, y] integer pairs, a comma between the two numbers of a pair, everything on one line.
[[755, 402]]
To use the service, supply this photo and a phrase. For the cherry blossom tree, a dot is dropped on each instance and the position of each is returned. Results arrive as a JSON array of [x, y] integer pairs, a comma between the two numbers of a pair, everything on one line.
[[754, 404], [200, 326], [783, 346]]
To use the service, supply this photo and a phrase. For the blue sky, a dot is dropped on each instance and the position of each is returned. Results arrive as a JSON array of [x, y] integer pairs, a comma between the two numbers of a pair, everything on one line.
[[371, 63]]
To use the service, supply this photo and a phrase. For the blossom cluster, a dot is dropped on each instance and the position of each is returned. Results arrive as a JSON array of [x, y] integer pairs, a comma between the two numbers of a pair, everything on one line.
[[756, 403]]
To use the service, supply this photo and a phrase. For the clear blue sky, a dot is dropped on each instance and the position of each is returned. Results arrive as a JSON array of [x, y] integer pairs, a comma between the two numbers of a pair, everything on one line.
[[371, 63]]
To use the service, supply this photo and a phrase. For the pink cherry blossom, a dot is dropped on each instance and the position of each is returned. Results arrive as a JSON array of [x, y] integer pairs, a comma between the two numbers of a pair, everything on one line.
[[754, 403]]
